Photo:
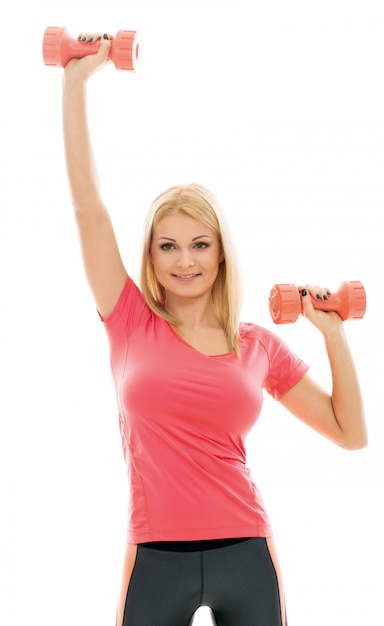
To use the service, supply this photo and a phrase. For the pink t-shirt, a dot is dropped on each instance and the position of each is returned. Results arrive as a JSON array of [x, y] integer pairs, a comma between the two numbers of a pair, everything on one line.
[[184, 417]]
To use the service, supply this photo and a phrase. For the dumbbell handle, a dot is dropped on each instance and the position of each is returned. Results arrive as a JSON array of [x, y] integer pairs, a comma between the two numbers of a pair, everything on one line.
[[349, 302], [59, 47]]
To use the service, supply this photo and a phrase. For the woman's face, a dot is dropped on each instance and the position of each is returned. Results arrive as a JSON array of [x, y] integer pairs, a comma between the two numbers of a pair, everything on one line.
[[186, 255]]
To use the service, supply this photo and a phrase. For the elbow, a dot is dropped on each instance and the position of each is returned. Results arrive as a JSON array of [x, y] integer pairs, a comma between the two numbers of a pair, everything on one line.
[[355, 443]]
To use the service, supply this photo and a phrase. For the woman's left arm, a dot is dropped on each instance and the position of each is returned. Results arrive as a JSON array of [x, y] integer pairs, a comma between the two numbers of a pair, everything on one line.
[[340, 416]]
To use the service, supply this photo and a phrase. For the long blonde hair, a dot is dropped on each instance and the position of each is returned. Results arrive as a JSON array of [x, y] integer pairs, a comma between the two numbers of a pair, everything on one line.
[[199, 203]]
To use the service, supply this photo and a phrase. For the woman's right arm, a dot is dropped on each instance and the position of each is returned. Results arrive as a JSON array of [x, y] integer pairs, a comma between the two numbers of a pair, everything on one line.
[[104, 268]]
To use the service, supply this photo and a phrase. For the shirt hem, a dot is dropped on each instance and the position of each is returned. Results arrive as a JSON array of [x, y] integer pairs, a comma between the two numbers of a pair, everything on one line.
[[199, 534]]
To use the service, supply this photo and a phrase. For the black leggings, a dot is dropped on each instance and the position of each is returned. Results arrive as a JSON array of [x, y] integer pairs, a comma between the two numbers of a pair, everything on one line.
[[235, 578]]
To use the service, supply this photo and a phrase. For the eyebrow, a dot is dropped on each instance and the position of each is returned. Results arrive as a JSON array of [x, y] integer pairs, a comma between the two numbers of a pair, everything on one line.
[[194, 239]]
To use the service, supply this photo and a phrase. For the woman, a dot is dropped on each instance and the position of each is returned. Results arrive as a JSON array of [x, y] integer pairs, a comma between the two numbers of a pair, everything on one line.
[[189, 380]]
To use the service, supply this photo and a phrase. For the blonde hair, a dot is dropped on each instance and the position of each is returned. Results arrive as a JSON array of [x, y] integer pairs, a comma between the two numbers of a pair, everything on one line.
[[199, 203]]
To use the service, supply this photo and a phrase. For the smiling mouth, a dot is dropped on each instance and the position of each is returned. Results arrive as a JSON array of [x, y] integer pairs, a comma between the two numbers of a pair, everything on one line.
[[185, 276]]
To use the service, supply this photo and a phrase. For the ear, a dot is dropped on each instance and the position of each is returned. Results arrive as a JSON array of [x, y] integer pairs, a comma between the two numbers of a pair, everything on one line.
[[221, 257]]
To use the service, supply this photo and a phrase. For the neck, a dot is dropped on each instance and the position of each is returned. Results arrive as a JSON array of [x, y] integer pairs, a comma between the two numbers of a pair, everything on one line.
[[193, 313]]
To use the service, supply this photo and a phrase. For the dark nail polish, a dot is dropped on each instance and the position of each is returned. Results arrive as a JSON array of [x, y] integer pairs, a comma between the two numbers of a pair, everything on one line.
[[304, 292], [83, 39], [105, 36], [325, 297], [318, 296], [90, 39]]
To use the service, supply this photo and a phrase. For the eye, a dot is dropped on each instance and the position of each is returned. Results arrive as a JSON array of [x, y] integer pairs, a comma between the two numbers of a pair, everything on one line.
[[167, 246], [201, 245]]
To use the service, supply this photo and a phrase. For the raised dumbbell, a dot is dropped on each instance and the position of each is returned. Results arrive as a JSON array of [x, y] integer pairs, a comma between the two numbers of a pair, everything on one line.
[[349, 302], [59, 47]]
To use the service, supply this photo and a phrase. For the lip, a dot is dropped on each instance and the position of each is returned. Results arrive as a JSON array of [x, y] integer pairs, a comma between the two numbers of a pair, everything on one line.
[[185, 277]]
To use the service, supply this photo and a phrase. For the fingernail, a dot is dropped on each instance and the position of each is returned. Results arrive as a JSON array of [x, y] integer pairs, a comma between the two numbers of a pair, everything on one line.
[[105, 36], [83, 39], [318, 296], [325, 297], [304, 292], [90, 39]]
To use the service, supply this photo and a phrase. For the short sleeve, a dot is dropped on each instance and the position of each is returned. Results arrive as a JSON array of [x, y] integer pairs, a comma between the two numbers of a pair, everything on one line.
[[286, 369], [128, 315], [130, 310]]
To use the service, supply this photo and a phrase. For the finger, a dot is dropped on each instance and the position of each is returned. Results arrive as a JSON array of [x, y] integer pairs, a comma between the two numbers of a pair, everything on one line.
[[317, 292], [92, 37], [87, 37], [104, 43]]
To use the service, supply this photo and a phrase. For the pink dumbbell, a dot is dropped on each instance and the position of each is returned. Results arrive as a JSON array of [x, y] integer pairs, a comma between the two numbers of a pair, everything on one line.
[[349, 302], [59, 47]]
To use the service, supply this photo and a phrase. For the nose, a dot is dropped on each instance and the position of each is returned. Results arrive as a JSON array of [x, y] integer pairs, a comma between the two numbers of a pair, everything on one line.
[[185, 258]]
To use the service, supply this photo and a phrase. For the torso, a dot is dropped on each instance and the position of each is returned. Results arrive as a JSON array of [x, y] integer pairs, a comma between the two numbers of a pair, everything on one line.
[[209, 341], [186, 404]]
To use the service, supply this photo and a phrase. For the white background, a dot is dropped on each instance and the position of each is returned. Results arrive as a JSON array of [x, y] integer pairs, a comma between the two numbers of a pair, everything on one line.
[[277, 107]]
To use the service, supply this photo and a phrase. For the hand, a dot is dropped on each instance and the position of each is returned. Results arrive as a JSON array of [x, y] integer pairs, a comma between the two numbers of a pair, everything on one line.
[[325, 321], [88, 65]]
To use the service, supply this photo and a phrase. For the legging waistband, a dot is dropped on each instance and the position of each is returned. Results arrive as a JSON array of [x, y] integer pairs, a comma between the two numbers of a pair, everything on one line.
[[193, 546]]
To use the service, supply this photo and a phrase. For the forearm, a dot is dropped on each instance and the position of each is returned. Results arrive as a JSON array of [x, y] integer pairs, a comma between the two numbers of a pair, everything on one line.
[[81, 167], [346, 395], [80, 162]]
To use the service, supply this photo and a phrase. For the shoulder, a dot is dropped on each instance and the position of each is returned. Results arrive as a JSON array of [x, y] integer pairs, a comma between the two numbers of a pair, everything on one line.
[[285, 368], [252, 333], [130, 309], [254, 338]]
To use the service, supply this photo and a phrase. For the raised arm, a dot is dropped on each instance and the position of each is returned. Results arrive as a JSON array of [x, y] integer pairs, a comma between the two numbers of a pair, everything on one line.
[[103, 265], [339, 416]]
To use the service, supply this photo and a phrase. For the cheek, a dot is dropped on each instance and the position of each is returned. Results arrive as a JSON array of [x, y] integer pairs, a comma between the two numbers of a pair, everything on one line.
[[153, 256], [159, 262]]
